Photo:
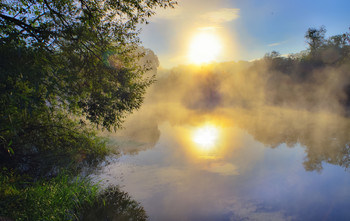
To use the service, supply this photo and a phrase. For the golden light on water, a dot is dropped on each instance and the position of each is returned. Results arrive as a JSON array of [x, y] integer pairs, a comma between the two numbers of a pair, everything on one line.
[[204, 47], [206, 137]]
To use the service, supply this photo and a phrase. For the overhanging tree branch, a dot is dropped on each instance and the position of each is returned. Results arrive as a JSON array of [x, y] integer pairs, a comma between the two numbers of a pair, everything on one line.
[[59, 15], [34, 32]]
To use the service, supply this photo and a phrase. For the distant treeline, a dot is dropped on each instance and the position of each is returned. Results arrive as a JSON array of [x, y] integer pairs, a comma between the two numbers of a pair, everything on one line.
[[318, 78]]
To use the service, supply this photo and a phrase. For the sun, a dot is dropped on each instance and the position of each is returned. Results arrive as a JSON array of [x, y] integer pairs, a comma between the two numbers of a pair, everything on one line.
[[206, 137], [204, 48]]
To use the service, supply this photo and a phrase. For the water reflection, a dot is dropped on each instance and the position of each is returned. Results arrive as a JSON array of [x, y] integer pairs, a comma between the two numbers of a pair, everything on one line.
[[206, 137], [325, 137], [234, 164], [213, 157]]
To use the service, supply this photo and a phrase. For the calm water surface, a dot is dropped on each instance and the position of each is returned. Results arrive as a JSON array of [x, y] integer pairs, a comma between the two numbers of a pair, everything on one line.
[[235, 164]]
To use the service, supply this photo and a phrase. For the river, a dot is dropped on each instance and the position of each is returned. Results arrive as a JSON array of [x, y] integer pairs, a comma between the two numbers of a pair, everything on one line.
[[233, 164]]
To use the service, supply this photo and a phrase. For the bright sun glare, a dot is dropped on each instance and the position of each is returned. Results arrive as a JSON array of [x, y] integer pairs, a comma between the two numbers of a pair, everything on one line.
[[206, 137], [204, 48]]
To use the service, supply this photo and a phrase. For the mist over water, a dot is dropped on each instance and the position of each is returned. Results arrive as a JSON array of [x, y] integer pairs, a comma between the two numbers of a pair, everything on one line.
[[281, 148], [271, 106]]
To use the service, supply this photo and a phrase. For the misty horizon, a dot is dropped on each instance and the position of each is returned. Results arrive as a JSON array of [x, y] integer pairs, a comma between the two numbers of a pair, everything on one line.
[[174, 110]]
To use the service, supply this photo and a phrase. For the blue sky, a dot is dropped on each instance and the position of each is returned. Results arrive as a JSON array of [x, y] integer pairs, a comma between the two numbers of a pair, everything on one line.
[[248, 28]]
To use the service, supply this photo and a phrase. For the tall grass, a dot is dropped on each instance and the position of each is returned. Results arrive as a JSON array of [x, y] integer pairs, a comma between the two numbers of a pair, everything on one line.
[[60, 198], [64, 198], [37, 185]]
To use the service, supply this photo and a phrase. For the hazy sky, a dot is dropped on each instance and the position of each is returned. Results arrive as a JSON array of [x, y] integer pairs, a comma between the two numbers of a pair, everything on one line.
[[246, 29]]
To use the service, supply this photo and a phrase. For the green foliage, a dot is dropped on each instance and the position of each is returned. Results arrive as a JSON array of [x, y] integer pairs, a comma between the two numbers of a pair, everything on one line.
[[92, 24], [61, 198], [64, 65], [113, 204], [45, 144]]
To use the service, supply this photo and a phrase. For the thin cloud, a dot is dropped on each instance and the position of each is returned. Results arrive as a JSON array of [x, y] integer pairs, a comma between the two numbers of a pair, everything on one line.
[[274, 44], [222, 15]]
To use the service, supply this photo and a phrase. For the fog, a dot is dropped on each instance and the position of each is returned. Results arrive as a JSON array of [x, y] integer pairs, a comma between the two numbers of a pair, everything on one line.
[[304, 105]]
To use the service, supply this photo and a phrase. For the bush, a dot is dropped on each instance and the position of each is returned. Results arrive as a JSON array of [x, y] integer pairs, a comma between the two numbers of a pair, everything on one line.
[[60, 198]]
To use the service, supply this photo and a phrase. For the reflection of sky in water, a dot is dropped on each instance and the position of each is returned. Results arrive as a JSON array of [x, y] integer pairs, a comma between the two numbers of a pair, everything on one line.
[[241, 180]]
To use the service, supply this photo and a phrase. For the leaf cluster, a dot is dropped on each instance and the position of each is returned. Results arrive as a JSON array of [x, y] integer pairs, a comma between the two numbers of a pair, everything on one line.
[[66, 65]]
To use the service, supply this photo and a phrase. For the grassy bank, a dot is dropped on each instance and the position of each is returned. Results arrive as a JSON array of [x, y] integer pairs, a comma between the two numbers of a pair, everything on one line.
[[40, 179], [59, 198], [64, 197]]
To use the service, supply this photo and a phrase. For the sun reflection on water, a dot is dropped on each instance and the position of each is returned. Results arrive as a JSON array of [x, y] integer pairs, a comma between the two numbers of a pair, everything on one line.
[[206, 137], [202, 142]]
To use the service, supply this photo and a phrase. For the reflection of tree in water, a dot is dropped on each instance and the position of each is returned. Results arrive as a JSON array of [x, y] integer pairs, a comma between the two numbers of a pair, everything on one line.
[[114, 204], [275, 106], [140, 132], [326, 137]]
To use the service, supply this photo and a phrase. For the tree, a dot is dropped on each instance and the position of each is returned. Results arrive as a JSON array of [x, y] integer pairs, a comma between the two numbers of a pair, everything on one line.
[[69, 61], [272, 55], [76, 39], [315, 38]]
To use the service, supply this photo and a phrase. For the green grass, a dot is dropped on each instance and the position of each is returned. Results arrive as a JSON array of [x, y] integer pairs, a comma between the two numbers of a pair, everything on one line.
[[64, 198], [60, 198], [35, 184]]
